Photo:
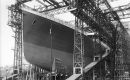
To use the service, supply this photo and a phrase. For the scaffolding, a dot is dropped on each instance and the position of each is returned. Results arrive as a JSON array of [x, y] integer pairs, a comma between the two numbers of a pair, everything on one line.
[[113, 67], [120, 56], [78, 43], [16, 23], [78, 48]]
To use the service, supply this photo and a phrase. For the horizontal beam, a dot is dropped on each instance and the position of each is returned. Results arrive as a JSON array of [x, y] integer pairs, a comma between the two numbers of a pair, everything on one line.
[[30, 10], [119, 8], [114, 14], [55, 3], [41, 3], [59, 11]]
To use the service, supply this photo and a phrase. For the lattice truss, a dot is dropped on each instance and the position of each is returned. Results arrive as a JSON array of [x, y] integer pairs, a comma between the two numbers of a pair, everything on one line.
[[94, 16], [55, 7], [121, 56], [15, 22]]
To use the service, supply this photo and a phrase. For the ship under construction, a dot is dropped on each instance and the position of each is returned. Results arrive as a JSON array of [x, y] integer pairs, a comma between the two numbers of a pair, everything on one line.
[[94, 46]]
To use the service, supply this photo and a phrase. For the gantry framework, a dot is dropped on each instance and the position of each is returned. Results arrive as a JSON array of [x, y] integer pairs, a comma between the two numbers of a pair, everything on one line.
[[16, 23], [100, 21]]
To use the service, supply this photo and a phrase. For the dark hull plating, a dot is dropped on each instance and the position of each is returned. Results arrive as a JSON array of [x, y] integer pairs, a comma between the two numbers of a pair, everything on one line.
[[38, 49]]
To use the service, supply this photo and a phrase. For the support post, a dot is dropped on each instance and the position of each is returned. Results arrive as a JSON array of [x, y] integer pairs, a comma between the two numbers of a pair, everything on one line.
[[16, 23], [78, 48]]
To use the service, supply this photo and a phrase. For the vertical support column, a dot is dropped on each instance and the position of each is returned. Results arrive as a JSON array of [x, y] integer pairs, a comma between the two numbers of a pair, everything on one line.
[[15, 21], [108, 68], [18, 52], [120, 62], [78, 47]]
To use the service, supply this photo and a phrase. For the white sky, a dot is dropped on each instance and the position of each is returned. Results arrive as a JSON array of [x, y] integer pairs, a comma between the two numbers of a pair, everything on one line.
[[119, 2], [6, 39]]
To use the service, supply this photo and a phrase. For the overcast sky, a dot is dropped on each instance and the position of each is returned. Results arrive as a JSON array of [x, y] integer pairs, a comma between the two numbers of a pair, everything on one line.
[[6, 41]]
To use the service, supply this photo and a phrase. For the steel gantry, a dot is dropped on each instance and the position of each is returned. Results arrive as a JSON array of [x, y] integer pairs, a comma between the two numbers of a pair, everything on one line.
[[78, 48], [109, 66], [16, 23], [121, 55], [89, 12]]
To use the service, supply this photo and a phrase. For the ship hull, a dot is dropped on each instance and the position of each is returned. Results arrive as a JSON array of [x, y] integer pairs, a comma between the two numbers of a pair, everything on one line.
[[45, 40]]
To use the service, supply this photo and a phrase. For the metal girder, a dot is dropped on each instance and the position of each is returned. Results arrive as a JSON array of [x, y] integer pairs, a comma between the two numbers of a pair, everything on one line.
[[113, 0], [49, 3], [22, 1], [125, 16], [41, 3], [120, 56], [78, 48], [16, 22], [119, 8], [95, 19], [52, 9], [67, 2], [114, 14], [59, 11], [55, 3], [78, 52]]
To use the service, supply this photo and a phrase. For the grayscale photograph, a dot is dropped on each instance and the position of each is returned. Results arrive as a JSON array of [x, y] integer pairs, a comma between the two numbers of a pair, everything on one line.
[[65, 40]]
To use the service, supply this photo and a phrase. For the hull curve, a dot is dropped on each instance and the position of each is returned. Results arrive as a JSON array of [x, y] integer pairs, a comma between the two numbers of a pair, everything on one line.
[[38, 43]]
